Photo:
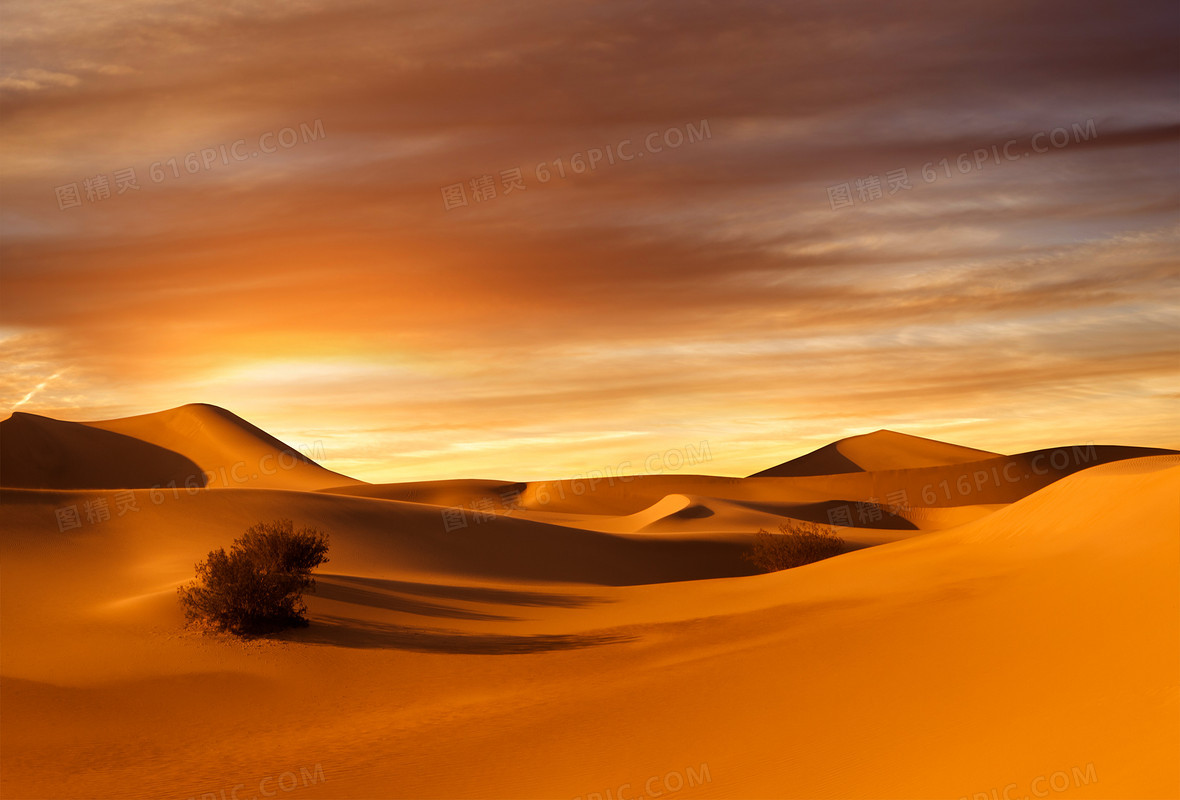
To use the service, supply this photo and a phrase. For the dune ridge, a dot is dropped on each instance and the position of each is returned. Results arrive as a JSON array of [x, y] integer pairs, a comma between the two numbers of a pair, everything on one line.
[[193, 445], [869, 452]]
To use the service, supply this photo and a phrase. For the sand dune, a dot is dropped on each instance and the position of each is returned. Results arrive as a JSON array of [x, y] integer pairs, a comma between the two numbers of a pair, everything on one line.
[[190, 446], [903, 493], [611, 636], [869, 452], [42, 453]]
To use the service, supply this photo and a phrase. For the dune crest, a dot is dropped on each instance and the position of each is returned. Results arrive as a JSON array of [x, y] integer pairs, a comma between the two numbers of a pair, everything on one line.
[[194, 445], [875, 451]]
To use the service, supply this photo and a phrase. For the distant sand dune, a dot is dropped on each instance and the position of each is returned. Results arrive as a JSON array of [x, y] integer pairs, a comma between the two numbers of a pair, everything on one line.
[[875, 451]]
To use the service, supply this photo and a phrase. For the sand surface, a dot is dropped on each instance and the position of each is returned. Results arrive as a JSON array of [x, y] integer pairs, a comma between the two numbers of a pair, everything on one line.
[[572, 639]]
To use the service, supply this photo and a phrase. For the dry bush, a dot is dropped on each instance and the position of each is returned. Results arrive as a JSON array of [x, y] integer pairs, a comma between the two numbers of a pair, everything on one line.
[[258, 586], [797, 543]]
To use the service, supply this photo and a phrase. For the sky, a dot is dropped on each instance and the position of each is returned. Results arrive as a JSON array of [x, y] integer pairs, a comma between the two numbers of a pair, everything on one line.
[[529, 240]]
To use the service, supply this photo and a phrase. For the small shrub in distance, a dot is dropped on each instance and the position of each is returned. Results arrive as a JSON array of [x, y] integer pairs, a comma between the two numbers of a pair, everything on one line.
[[797, 543], [258, 586]]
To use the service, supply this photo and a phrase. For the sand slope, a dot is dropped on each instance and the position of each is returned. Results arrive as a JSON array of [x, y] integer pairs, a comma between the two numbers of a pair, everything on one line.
[[189, 446], [567, 648], [39, 452], [875, 451]]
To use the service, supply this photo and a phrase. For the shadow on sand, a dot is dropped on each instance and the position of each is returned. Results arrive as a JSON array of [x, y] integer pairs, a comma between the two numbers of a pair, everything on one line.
[[344, 632], [474, 594], [330, 589]]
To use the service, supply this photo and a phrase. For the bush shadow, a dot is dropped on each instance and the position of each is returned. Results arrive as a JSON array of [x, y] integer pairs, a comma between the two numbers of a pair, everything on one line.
[[360, 634], [331, 588], [475, 594]]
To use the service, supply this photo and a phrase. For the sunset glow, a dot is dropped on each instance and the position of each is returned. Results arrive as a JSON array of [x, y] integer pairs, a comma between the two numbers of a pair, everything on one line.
[[289, 253]]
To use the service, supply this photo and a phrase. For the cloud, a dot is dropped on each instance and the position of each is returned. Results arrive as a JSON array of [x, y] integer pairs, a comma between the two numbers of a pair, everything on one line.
[[701, 284], [31, 80]]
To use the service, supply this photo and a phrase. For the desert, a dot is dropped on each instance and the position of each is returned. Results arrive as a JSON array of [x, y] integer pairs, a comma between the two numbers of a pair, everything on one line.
[[613, 643]]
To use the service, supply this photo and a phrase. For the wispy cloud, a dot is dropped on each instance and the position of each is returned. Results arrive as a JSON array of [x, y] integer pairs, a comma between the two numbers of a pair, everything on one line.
[[33, 392]]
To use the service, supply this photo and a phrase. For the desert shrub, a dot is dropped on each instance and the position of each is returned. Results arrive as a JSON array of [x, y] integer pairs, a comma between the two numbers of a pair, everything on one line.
[[258, 586], [797, 543]]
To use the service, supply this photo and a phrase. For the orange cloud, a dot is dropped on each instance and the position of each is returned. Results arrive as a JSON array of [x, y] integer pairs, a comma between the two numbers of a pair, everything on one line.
[[704, 291]]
